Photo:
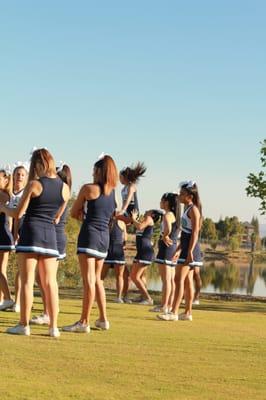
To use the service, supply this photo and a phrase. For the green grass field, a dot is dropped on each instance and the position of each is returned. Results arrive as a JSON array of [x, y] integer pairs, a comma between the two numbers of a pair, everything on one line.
[[220, 355]]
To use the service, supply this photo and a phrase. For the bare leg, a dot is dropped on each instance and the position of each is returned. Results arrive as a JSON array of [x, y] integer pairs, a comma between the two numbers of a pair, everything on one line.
[[166, 279], [179, 290], [42, 291], [136, 276], [197, 282], [172, 293], [17, 288], [87, 269], [105, 271], [47, 271], [119, 273], [126, 278], [27, 264], [3, 276], [100, 291], [189, 284]]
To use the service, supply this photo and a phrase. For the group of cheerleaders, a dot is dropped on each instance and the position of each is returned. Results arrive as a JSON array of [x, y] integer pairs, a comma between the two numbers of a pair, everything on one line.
[[33, 212]]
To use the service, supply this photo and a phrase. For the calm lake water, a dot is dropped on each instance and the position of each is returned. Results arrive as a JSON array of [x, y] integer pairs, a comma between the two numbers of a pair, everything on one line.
[[220, 277]]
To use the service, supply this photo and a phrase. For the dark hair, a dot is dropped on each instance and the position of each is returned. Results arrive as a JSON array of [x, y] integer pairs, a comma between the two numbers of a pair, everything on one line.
[[156, 215], [108, 175], [132, 174], [43, 157], [194, 193], [174, 204], [65, 174]]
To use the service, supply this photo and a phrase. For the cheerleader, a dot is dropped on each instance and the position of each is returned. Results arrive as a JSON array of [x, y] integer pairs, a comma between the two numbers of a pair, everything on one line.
[[43, 199], [190, 255], [20, 178], [6, 238], [64, 173], [93, 240], [129, 177], [116, 256], [145, 253], [167, 249]]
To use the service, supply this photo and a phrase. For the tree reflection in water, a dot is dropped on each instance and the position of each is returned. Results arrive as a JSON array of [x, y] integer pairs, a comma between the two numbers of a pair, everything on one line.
[[223, 277]]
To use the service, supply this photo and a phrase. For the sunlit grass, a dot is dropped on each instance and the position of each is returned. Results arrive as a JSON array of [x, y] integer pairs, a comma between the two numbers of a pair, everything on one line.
[[220, 355]]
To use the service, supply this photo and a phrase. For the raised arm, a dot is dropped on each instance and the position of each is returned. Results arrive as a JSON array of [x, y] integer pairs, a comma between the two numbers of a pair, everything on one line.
[[147, 221]]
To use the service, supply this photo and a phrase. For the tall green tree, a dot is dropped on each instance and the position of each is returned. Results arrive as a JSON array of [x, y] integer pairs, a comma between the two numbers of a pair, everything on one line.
[[208, 230], [257, 182]]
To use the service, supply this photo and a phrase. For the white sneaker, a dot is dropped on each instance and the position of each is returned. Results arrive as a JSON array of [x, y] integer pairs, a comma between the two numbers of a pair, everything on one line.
[[196, 302], [19, 330], [77, 327], [119, 300], [6, 304], [42, 319], [146, 302], [156, 309], [54, 332], [16, 308], [105, 325], [168, 317], [185, 317], [127, 300]]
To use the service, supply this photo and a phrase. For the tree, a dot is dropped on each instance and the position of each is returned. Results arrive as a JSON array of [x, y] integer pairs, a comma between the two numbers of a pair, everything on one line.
[[208, 230], [257, 182]]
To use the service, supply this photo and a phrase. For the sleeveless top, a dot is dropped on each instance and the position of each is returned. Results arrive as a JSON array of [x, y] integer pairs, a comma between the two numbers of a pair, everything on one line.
[[15, 199], [44, 207], [146, 233], [133, 202], [186, 225], [100, 211], [174, 231], [62, 222]]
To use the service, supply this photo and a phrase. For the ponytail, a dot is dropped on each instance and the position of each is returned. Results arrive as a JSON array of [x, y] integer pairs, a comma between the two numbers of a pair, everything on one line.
[[174, 204], [107, 174], [65, 175], [132, 174]]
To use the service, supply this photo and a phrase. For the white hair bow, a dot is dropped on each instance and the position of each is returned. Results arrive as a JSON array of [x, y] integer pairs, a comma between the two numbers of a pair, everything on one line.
[[101, 156], [6, 169], [23, 164], [188, 184], [60, 166]]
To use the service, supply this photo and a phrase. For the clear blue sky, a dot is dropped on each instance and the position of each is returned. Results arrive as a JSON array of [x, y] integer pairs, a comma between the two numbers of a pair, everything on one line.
[[179, 85]]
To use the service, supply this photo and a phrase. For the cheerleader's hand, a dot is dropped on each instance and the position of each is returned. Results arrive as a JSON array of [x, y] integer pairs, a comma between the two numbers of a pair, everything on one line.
[[189, 258], [56, 220], [167, 241], [134, 215], [176, 256]]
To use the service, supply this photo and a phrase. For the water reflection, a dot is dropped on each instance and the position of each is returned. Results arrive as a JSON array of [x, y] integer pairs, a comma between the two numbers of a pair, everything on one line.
[[221, 277]]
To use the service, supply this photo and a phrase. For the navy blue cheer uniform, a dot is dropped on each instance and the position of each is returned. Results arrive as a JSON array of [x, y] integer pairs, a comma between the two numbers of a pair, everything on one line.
[[133, 205], [145, 253], [38, 233], [6, 237], [93, 237], [166, 253], [61, 236], [186, 231], [116, 253]]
